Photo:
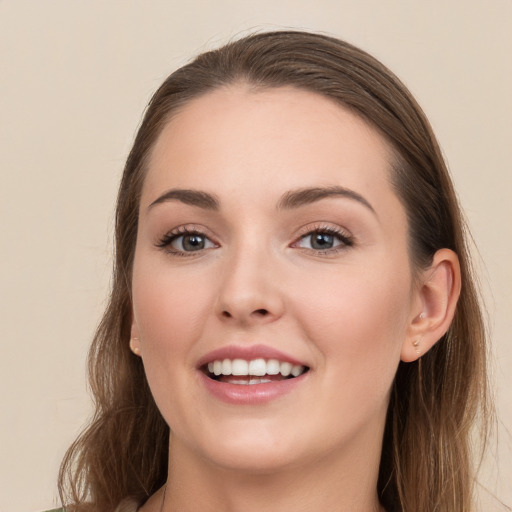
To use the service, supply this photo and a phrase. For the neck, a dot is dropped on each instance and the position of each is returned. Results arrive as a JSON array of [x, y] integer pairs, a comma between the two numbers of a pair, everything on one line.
[[337, 483]]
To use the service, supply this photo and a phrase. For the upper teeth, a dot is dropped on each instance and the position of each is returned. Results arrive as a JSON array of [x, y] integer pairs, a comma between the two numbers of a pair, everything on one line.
[[257, 367]]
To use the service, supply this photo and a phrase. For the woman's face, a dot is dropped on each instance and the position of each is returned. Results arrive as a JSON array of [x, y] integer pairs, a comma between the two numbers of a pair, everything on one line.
[[270, 240]]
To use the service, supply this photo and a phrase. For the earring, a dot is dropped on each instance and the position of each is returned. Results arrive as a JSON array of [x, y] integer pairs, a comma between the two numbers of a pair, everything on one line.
[[133, 348], [422, 315], [416, 345]]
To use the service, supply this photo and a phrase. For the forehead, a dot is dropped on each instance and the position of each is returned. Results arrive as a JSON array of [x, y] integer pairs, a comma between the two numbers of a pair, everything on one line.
[[239, 138]]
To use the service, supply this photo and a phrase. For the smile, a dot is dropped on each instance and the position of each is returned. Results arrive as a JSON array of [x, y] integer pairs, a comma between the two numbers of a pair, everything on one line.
[[255, 371], [250, 374]]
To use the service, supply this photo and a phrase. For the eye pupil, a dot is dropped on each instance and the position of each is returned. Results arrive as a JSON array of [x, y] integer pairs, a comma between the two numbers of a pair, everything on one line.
[[193, 242], [322, 241]]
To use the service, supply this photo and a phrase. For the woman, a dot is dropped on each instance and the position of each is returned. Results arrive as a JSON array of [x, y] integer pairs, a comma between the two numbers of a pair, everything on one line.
[[293, 323]]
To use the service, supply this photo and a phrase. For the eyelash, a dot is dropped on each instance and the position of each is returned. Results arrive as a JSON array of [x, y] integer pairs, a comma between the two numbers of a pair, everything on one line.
[[165, 242], [346, 240]]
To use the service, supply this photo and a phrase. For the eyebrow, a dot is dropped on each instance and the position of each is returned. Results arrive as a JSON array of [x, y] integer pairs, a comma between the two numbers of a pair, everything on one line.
[[192, 197], [303, 196], [290, 200]]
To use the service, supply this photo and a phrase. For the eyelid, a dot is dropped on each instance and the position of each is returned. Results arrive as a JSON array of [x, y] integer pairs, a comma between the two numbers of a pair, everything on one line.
[[164, 242], [342, 234]]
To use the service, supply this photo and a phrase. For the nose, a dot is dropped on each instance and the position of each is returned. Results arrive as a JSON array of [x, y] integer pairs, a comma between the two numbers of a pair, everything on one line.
[[249, 292]]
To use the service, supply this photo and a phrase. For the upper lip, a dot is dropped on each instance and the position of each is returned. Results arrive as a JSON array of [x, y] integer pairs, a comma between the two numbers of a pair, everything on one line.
[[247, 353]]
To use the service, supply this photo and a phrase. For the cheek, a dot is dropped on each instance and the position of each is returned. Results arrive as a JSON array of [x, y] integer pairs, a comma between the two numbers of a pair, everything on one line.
[[358, 325], [169, 310], [357, 319]]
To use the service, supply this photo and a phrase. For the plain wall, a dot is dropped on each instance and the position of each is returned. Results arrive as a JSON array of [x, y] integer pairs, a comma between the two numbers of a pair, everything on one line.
[[75, 77]]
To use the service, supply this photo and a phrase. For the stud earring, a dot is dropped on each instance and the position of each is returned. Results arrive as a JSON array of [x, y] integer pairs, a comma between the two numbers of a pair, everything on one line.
[[133, 348], [422, 315], [416, 345]]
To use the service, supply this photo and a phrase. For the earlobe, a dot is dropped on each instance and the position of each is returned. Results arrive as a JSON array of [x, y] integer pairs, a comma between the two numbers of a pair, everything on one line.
[[135, 345], [438, 294]]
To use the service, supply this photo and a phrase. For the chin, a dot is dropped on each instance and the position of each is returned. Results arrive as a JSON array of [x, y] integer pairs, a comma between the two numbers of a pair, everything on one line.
[[254, 460], [251, 448]]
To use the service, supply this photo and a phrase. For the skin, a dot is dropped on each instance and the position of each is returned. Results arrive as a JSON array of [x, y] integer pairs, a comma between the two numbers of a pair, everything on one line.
[[349, 313]]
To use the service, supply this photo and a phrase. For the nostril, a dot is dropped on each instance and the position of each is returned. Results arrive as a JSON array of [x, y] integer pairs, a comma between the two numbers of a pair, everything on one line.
[[260, 312], [256, 313]]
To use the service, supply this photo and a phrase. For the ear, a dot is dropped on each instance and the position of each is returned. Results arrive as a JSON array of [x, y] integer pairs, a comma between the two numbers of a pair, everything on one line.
[[436, 298], [135, 345]]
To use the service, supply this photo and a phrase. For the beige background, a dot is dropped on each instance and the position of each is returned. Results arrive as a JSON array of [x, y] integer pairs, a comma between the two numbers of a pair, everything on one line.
[[74, 79]]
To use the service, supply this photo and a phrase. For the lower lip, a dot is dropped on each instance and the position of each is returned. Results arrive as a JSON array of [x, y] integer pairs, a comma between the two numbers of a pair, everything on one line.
[[251, 394]]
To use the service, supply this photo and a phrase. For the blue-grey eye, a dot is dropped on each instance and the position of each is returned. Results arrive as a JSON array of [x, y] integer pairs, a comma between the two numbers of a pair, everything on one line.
[[323, 241], [191, 242]]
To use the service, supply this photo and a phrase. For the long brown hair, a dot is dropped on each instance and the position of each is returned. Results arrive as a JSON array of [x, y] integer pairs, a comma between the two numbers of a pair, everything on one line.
[[427, 461]]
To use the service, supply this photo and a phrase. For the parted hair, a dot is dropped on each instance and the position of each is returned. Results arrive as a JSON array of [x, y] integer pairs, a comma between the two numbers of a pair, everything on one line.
[[427, 461]]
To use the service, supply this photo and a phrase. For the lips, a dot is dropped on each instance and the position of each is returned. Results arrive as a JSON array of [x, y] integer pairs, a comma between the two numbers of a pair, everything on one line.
[[253, 374]]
